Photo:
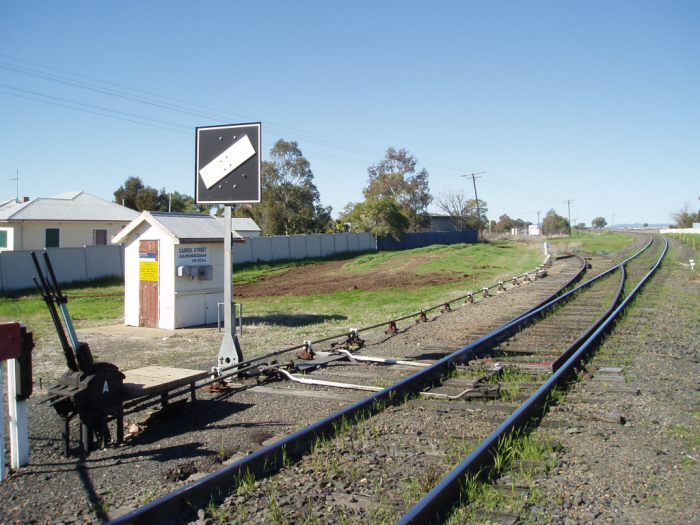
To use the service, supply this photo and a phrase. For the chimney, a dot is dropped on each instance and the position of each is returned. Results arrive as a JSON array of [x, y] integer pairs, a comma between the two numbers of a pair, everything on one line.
[[25, 199]]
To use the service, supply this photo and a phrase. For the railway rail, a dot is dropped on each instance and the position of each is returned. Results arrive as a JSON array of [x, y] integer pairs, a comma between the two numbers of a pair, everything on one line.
[[534, 350]]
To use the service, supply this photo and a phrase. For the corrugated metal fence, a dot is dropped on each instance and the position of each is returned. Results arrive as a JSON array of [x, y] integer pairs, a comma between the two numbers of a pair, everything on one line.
[[70, 264], [422, 239]]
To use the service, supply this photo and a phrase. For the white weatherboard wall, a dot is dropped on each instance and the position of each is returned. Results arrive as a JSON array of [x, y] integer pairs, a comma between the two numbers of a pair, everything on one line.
[[196, 300], [182, 301], [29, 235]]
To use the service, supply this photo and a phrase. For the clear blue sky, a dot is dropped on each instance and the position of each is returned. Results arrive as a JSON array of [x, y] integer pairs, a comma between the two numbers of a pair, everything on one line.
[[592, 101]]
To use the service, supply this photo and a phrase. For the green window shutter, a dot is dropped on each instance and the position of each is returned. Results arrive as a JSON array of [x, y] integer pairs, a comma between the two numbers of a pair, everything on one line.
[[3, 239], [52, 238]]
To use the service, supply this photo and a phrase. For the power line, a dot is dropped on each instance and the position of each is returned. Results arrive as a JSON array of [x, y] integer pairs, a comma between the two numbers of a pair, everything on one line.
[[181, 106]]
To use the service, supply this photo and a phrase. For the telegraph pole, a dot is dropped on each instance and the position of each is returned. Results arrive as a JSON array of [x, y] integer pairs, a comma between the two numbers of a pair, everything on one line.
[[538, 220], [476, 198], [568, 205]]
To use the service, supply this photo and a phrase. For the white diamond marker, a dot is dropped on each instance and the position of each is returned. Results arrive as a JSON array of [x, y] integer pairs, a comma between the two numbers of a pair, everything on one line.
[[227, 161]]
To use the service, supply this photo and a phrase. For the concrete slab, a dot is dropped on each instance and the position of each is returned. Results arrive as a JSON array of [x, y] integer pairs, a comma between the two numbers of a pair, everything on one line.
[[158, 379]]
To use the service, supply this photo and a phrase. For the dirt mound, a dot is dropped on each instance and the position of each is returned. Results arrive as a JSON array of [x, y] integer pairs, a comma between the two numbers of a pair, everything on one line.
[[331, 277]]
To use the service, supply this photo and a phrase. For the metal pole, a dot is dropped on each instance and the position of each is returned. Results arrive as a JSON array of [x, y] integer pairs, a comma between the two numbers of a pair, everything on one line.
[[476, 198], [568, 205], [230, 350]]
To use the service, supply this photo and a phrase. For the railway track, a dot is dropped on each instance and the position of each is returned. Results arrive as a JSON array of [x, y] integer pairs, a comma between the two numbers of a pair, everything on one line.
[[374, 460]]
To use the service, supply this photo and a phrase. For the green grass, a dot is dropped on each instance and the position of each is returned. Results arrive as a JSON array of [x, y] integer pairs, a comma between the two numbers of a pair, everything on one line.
[[602, 243], [691, 239], [103, 302], [96, 302], [249, 273], [484, 264]]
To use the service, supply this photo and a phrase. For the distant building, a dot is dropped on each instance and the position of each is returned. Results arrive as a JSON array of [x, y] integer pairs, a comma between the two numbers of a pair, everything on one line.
[[441, 223], [245, 227], [533, 229], [68, 220]]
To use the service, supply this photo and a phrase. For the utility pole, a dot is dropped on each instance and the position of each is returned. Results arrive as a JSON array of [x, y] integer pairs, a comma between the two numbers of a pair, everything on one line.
[[16, 179], [476, 198], [568, 205], [538, 220]]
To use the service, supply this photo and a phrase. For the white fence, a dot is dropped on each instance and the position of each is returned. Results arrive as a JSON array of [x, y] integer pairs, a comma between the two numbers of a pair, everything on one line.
[[301, 246], [70, 264], [92, 262]]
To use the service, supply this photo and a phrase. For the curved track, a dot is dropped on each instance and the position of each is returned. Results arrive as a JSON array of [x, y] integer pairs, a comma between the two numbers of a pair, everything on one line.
[[483, 381]]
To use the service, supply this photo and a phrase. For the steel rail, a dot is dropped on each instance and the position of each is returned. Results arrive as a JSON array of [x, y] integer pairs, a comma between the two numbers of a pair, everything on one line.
[[366, 328], [179, 503], [432, 507]]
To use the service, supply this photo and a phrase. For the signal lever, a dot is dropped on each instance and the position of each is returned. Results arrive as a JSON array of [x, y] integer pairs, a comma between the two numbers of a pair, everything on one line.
[[78, 355]]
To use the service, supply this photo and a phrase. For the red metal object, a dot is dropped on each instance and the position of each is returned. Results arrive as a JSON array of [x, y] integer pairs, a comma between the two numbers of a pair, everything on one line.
[[392, 328], [10, 341], [422, 318], [446, 308]]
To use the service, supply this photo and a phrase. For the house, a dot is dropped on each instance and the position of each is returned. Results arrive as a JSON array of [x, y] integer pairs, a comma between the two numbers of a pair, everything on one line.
[[73, 219], [245, 227]]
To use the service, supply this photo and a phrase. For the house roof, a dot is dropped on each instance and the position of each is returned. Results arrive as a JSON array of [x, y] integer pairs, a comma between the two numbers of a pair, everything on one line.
[[180, 227], [244, 224], [69, 206]]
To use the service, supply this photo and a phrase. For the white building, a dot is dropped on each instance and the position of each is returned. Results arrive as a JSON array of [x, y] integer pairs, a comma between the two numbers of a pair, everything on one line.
[[68, 220], [533, 229], [245, 227], [174, 269]]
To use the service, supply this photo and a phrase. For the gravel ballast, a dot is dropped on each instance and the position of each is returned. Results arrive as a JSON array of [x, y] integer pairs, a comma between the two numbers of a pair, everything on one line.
[[165, 453]]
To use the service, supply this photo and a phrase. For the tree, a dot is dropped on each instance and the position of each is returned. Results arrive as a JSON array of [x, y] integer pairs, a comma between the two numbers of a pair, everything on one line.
[[133, 194], [504, 223], [684, 217], [182, 203], [379, 215], [554, 223], [520, 224], [454, 204], [290, 200], [472, 218], [599, 222], [137, 196], [395, 177]]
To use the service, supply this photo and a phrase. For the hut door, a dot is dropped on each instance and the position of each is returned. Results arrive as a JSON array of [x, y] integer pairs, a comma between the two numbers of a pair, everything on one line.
[[148, 284]]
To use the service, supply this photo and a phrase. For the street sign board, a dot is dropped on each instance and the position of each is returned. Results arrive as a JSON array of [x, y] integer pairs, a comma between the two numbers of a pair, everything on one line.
[[227, 167]]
